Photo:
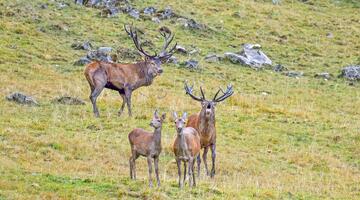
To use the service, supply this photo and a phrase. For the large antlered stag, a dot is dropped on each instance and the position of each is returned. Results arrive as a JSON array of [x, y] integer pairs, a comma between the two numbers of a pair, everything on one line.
[[125, 78], [204, 123]]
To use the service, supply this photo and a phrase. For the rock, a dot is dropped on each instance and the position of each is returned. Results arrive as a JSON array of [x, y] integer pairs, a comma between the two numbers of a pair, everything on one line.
[[351, 72], [82, 46], [191, 64], [251, 55], [80, 2], [149, 10], [173, 60], [62, 5], [101, 54], [156, 20], [126, 54], [104, 50], [194, 51], [329, 35], [323, 75], [112, 11], [134, 13], [22, 99], [213, 58], [276, 2], [82, 61], [181, 49], [167, 13], [69, 100], [279, 68], [44, 6], [191, 23], [294, 74]]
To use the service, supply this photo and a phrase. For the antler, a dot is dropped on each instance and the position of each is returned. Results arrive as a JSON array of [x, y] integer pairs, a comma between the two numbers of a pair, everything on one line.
[[229, 91], [168, 37], [189, 91], [133, 34]]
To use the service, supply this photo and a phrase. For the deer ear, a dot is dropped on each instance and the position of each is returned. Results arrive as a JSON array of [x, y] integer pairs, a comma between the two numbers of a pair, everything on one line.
[[163, 116], [174, 115], [184, 116], [156, 113]]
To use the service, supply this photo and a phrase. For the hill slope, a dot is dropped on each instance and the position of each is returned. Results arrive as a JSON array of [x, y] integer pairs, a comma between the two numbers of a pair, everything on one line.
[[300, 141]]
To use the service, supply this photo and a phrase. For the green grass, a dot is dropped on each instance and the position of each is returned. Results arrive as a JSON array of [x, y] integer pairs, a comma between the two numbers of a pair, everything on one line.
[[300, 142]]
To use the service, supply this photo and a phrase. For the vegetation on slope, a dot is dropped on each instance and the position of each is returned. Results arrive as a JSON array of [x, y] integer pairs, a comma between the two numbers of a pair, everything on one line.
[[299, 142]]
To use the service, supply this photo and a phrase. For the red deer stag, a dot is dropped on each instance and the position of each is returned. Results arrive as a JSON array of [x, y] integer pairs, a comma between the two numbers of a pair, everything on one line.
[[186, 148], [147, 144], [125, 78], [204, 123]]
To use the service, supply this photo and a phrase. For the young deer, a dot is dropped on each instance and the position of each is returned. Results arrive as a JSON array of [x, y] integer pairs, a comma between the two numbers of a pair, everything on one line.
[[186, 148], [144, 143], [204, 123]]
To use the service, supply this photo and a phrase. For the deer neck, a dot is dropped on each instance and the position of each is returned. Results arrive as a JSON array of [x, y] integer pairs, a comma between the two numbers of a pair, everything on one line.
[[145, 77], [157, 135], [182, 141], [206, 123]]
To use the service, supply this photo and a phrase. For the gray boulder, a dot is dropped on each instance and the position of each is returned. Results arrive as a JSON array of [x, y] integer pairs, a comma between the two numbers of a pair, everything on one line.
[[213, 58], [21, 98], [191, 64], [82, 61], [173, 60], [251, 56], [279, 68], [294, 74], [323, 75], [181, 49], [167, 13], [134, 13], [82, 45], [67, 100], [351, 72], [101, 54], [149, 10]]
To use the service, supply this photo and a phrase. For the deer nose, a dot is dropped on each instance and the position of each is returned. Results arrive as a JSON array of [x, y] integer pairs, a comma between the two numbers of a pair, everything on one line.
[[160, 71]]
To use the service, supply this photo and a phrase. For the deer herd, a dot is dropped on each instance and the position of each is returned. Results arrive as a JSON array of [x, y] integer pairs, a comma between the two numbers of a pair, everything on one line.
[[196, 132]]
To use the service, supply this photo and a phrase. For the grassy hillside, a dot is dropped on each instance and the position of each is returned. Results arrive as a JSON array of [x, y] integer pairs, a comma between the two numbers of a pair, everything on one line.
[[301, 141]]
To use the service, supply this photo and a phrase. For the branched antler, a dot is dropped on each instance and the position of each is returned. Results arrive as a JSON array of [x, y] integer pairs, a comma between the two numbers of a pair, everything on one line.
[[229, 91], [189, 91], [133, 34]]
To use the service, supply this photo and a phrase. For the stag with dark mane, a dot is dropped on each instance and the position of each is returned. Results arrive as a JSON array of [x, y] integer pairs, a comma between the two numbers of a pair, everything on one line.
[[204, 123], [125, 78]]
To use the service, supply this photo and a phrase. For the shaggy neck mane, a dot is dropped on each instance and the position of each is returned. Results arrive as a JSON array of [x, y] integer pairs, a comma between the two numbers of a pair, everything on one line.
[[206, 124], [142, 71]]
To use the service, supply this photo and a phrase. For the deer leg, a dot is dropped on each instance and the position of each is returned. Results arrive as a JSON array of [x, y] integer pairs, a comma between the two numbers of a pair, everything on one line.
[[184, 181], [93, 96], [213, 156], [128, 100], [204, 159], [132, 159], [191, 161], [123, 103], [156, 165], [193, 174], [178, 162], [150, 170], [198, 164]]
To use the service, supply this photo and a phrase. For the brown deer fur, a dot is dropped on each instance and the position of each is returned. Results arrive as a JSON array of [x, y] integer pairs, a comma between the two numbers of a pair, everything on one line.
[[144, 143], [125, 78], [186, 148], [204, 123]]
